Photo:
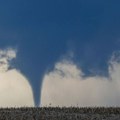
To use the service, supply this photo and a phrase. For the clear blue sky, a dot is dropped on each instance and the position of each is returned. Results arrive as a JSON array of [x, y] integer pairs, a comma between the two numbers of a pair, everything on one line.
[[44, 30]]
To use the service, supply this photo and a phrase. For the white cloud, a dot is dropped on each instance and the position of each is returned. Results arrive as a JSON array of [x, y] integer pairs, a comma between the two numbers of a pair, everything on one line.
[[66, 86], [6, 56], [15, 90]]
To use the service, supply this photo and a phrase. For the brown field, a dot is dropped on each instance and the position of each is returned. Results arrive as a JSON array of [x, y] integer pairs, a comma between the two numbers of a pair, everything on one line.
[[57, 113]]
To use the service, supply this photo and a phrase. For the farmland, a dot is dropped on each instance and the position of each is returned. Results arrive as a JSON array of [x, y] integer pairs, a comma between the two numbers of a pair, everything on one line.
[[57, 113]]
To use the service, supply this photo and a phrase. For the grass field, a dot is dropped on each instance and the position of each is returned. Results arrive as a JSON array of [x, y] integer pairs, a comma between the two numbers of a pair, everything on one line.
[[49, 113]]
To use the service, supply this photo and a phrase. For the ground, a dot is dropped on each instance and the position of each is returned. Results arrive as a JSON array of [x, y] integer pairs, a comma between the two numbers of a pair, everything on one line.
[[49, 113]]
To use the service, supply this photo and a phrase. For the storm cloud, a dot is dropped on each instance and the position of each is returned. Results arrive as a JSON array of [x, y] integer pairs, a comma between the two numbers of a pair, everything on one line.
[[67, 86], [15, 90]]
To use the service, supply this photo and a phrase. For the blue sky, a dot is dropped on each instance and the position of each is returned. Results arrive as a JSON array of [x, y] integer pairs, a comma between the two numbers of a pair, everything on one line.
[[45, 30]]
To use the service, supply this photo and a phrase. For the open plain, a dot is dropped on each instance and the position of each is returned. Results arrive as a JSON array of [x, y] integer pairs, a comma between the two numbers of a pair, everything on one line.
[[57, 113]]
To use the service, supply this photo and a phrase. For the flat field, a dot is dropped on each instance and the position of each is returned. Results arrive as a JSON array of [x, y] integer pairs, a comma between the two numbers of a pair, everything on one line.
[[57, 113]]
